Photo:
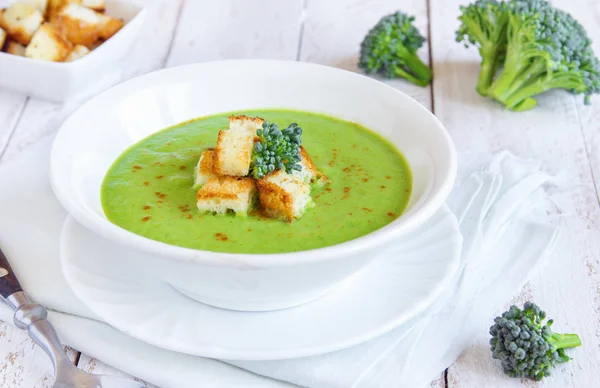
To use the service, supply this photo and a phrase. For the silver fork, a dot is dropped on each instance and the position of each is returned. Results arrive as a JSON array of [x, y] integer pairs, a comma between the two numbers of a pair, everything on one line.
[[31, 317]]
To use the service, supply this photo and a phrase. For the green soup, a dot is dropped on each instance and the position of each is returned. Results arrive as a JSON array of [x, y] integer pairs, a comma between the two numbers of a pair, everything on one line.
[[148, 190]]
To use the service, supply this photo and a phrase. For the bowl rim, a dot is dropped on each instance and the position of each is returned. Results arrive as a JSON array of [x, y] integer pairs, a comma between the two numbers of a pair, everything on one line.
[[374, 239]]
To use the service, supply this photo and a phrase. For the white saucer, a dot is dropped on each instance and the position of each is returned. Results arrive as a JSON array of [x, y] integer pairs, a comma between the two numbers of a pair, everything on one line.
[[395, 288]]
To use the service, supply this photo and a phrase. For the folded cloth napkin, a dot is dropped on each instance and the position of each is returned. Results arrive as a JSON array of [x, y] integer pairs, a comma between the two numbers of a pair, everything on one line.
[[500, 209]]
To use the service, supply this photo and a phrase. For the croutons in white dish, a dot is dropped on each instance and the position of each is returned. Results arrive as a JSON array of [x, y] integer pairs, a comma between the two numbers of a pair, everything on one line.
[[21, 21], [46, 28], [48, 44], [96, 5], [15, 48], [2, 37], [78, 51], [85, 26], [226, 183], [40, 5]]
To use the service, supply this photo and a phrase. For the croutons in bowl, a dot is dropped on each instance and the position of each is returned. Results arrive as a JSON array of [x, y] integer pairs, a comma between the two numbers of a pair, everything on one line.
[[91, 141], [58, 49]]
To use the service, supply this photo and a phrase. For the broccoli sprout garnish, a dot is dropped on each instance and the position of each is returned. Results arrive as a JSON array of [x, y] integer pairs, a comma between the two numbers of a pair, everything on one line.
[[525, 345], [390, 49], [276, 150]]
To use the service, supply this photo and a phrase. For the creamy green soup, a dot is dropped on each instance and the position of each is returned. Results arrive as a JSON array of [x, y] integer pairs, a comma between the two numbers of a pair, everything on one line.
[[148, 190]]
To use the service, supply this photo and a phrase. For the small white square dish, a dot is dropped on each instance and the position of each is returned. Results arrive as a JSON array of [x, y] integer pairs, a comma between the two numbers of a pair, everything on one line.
[[61, 81]]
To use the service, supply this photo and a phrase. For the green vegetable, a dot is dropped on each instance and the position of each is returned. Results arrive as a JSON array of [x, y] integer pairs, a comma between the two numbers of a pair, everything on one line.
[[390, 48], [483, 24], [276, 150], [540, 48], [525, 345]]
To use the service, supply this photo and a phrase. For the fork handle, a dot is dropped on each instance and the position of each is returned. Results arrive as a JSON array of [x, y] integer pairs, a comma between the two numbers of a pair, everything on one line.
[[9, 284], [29, 316]]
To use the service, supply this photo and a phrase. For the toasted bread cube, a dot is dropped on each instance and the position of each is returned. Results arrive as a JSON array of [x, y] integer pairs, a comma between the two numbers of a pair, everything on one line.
[[48, 44], [309, 172], [78, 52], [234, 146], [222, 193], [40, 5], [96, 5], [2, 38], [204, 168], [53, 7], [15, 48], [283, 195], [109, 26], [79, 24], [21, 21]]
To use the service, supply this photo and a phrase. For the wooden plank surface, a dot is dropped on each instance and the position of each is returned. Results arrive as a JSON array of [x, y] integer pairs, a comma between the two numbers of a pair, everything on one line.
[[334, 29], [567, 286], [11, 107], [561, 131], [236, 29], [588, 13], [22, 364]]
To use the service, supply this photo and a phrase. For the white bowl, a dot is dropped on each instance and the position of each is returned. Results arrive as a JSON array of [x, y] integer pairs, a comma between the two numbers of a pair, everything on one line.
[[97, 133], [60, 81]]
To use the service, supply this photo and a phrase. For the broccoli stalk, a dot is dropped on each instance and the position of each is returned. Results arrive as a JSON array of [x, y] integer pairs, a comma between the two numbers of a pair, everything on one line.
[[483, 24], [390, 48], [545, 49], [412, 68], [276, 150], [526, 346]]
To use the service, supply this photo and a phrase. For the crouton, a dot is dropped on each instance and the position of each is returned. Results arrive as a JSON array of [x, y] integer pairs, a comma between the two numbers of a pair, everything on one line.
[[78, 52], [109, 26], [204, 168], [15, 48], [309, 172], [48, 44], [21, 21], [2, 38], [85, 26], [53, 7], [283, 195], [79, 24], [234, 146], [222, 193], [40, 5], [96, 5]]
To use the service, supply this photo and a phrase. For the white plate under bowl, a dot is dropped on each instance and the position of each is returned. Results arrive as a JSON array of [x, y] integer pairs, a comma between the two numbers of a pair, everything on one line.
[[395, 288]]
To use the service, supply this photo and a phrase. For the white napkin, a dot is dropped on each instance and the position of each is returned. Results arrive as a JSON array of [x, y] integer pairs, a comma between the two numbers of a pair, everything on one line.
[[501, 246]]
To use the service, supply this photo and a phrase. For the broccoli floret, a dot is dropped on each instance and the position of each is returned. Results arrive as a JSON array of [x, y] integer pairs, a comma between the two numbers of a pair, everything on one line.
[[390, 49], [276, 150], [525, 345], [545, 49], [483, 24]]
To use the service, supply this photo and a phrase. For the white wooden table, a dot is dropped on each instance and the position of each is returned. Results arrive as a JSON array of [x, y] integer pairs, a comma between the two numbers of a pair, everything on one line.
[[561, 131]]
